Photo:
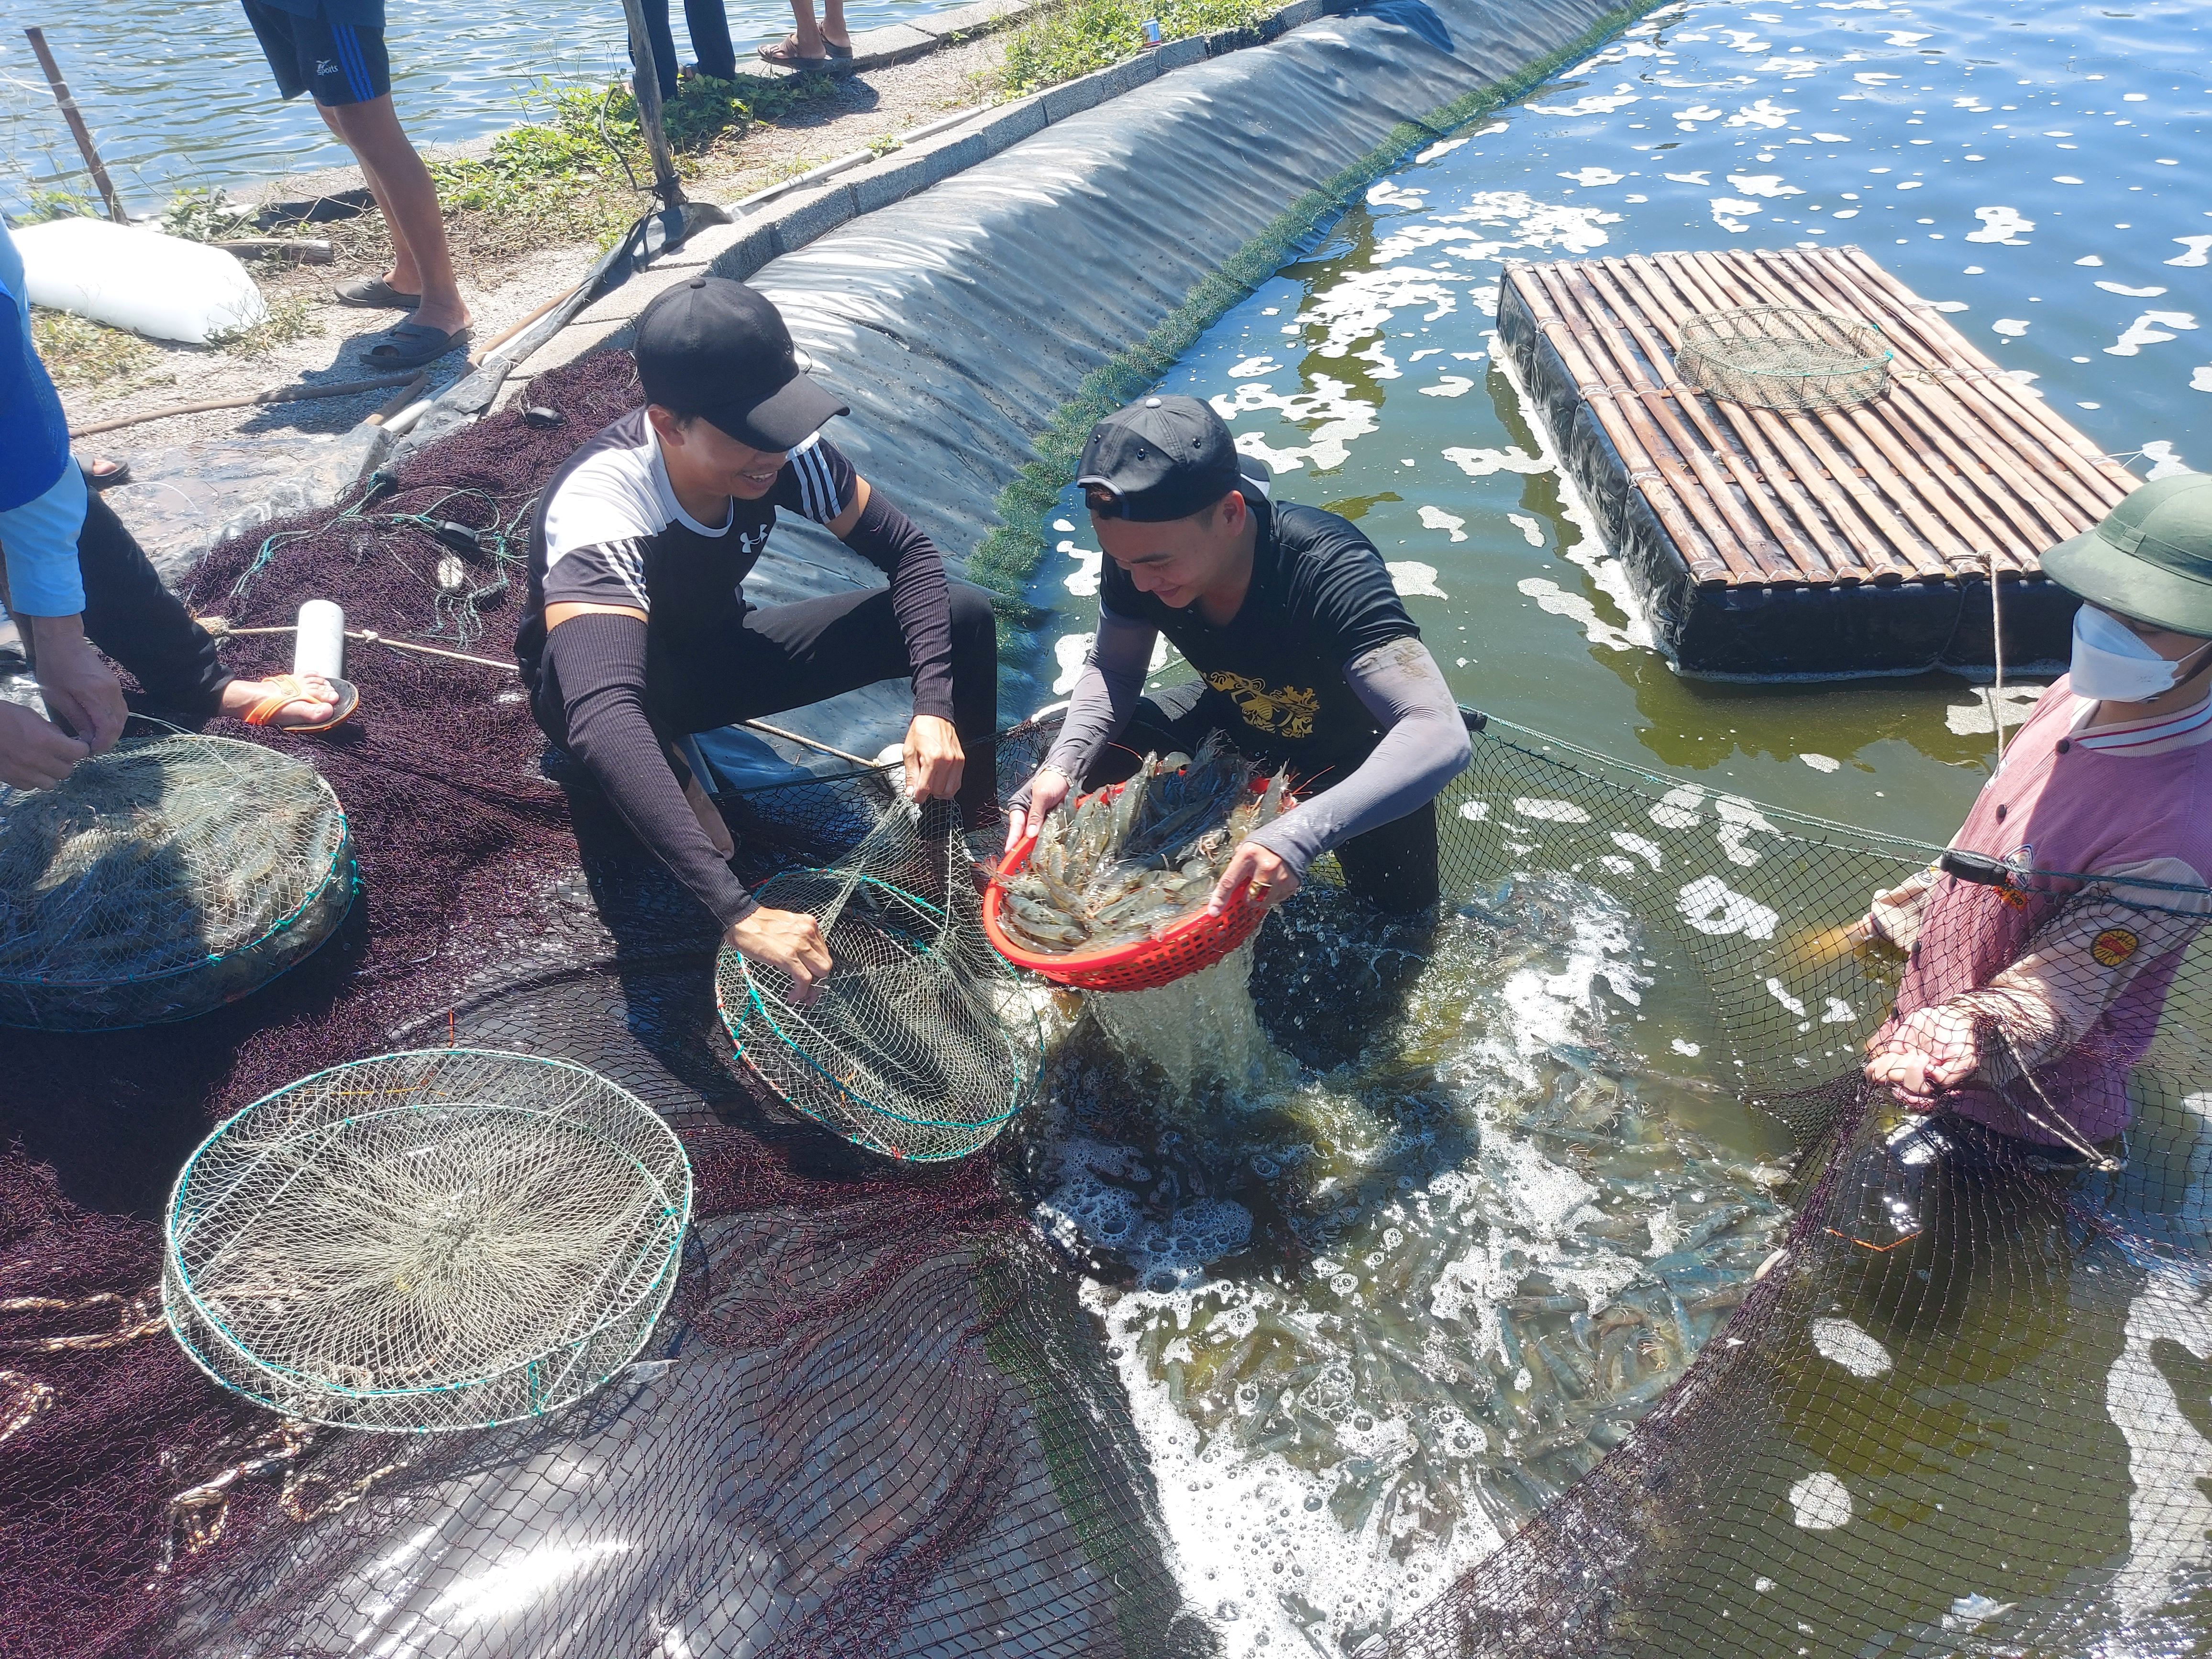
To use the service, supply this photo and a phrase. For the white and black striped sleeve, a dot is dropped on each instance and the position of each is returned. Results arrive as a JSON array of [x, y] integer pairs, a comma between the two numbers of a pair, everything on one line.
[[816, 480], [603, 572]]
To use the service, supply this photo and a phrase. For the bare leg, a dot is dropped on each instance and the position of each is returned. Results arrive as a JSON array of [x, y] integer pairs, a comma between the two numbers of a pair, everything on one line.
[[809, 36], [833, 23], [402, 189], [404, 275]]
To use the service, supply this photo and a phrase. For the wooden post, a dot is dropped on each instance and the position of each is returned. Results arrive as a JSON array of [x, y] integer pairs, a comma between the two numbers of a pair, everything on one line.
[[646, 83], [76, 126]]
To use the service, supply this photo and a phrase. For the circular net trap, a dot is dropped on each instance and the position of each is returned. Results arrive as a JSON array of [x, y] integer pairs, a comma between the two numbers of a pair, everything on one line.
[[440, 1240], [164, 879], [922, 1044], [1784, 357]]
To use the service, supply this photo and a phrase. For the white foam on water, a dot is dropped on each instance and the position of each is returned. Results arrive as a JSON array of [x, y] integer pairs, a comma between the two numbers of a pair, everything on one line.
[[2006, 226], [1711, 906], [1820, 763], [1549, 812], [1855, 1350], [2149, 329], [1820, 1502]]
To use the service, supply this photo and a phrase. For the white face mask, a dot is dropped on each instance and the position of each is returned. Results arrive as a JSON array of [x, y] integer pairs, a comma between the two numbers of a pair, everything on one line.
[[2113, 664]]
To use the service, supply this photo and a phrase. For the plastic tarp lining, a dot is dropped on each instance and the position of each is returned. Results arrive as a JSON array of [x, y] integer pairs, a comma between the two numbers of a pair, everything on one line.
[[1748, 632], [958, 323]]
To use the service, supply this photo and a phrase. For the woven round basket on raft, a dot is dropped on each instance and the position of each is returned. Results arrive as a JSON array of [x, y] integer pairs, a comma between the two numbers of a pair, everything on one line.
[[1784, 358], [1183, 947], [447, 1239], [162, 880]]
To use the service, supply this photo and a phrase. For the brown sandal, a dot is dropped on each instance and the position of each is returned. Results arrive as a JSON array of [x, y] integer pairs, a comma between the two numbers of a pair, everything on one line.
[[785, 54]]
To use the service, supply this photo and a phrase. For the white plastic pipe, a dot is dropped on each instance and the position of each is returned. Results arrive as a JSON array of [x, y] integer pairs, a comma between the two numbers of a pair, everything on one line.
[[320, 647]]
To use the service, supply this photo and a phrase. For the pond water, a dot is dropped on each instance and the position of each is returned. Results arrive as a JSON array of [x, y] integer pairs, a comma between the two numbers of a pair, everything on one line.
[[1369, 1315], [177, 92]]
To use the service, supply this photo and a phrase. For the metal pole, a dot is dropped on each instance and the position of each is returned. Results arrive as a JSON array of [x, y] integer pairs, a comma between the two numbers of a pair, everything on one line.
[[82, 134], [646, 83]]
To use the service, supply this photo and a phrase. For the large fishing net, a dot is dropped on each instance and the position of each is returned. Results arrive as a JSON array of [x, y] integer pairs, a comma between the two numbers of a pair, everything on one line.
[[905, 1410], [169, 876], [439, 1240]]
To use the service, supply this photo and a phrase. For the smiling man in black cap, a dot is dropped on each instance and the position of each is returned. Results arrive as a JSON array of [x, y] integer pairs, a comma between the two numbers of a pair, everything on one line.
[[1304, 652], [639, 632]]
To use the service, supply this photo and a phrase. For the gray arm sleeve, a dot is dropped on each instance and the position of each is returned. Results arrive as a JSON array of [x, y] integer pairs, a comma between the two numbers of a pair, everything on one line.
[[1106, 693], [1423, 747]]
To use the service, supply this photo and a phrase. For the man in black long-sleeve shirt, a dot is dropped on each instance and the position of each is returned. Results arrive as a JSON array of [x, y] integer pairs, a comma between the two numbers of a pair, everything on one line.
[[639, 633]]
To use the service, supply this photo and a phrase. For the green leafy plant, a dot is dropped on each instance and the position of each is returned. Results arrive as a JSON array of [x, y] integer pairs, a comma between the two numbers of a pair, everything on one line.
[[1079, 36], [198, 215], [62, 203]]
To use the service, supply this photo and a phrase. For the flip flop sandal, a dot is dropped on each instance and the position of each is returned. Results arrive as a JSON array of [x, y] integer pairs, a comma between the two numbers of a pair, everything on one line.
[[290, 689], [409, 345], [785, 54], [117, 474], [835, 49], [374, 293]]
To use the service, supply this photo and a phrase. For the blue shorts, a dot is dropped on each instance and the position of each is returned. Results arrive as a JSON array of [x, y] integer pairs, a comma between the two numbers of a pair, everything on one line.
[[339, 63]]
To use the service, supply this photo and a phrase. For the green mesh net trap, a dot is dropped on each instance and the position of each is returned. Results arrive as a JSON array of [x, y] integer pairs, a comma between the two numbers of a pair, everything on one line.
[[923, 1043], [446, 1239], [163, 879]]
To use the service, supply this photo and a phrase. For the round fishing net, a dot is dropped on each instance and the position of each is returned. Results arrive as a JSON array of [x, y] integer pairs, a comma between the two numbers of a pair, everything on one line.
[[440, 1240], [922, 1045], [1784, 357], [164, 879]]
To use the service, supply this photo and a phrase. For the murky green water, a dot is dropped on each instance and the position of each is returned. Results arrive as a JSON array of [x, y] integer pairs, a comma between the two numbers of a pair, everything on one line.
[[1366, 373], [1372, 1317]]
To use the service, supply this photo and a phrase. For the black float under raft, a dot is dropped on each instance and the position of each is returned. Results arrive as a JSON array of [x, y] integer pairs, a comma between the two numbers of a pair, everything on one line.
[[1844, 541]]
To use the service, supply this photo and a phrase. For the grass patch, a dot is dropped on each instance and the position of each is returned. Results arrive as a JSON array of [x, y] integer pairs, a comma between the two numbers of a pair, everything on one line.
[[1079, 36], [1010, 556], [79, 352], [291, 317], [581, 170]]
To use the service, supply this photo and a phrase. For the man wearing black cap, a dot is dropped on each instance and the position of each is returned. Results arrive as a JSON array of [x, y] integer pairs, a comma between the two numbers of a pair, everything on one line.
[[639, 633], [1304, 652]]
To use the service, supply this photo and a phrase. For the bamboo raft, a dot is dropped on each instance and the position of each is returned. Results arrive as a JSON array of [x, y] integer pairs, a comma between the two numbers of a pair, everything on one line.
[[1842, 542]]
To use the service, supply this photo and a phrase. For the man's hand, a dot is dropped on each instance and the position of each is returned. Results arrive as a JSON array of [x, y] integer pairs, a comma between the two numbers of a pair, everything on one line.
[[1932, 1052], [1271, 879], [1047, 790], [934, 759], [34, 754], [787, 941], [78, 687]]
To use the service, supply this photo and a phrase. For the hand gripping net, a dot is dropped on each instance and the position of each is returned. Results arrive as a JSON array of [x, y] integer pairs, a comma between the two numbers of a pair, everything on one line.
[[1784, 357], [922, 1045], [440, 1240], [164, 879]]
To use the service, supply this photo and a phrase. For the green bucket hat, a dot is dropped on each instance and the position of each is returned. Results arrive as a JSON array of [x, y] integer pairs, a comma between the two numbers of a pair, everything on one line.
[[2150, 558]]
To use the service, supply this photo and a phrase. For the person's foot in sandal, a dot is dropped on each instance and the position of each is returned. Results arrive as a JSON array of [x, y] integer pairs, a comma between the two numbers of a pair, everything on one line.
[[411, 344], [374, 293], [785, 54], [102, 473], [316, 706]]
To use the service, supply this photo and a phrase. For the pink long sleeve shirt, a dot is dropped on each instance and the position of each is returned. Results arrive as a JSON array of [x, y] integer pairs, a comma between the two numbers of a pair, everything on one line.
[[2077, 988]]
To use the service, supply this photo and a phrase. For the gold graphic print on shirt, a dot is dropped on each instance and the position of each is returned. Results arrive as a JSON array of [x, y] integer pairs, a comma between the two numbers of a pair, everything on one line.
[[1283, 710]]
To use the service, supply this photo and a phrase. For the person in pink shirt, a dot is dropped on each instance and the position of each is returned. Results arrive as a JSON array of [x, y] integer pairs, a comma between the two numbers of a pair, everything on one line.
[[2031, 992]]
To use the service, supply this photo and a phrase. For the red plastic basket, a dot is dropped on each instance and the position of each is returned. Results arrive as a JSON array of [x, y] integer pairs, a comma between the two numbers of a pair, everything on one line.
[[1195, 942]]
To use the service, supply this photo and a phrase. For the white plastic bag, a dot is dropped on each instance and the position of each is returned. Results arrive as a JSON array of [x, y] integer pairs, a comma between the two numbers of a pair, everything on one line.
[[156, 285]]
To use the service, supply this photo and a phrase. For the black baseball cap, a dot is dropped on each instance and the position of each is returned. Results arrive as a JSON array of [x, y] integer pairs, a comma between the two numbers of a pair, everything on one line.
[[1161, 458], [718, 350]]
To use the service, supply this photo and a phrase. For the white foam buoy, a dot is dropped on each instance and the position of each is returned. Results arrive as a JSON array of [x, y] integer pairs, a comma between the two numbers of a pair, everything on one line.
[[129, 277], [319, 645]]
